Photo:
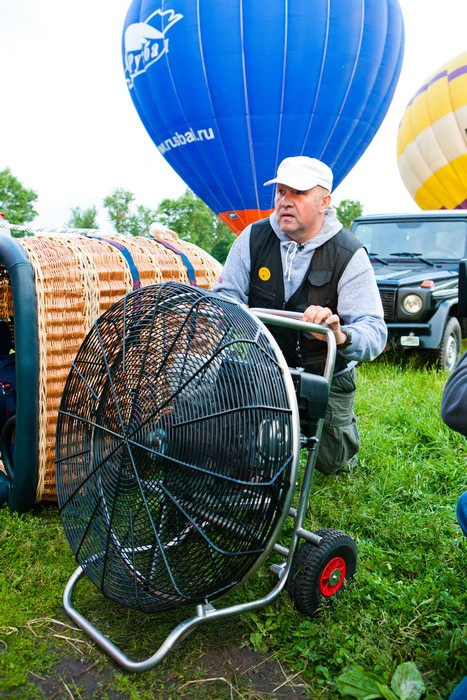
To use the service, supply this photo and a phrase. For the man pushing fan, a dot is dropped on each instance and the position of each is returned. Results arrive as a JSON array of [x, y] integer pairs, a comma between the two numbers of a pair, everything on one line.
[[302, 259]]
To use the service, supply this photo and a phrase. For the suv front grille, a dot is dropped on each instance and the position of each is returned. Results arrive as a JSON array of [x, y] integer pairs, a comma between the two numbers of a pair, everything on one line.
[[388, 298]]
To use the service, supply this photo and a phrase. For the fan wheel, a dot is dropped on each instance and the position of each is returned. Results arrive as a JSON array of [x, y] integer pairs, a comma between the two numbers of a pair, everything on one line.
[[318, 572]]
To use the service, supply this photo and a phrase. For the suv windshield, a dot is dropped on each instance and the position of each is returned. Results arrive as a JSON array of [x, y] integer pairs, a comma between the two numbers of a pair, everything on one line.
[[426, 239]]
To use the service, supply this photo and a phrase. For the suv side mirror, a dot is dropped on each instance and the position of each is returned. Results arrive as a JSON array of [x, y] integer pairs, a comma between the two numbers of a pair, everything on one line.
[[462, 304]]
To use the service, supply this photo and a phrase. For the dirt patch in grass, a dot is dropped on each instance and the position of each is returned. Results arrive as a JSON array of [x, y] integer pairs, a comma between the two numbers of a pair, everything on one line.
[[76, 678], [242, 667], [230, 672]]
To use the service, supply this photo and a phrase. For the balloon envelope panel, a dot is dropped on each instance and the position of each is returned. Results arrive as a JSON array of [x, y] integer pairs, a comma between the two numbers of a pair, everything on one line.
[[226, 90], [432, 139]]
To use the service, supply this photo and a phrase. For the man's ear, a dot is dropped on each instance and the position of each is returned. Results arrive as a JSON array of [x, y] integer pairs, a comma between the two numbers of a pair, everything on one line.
[[325, 202]]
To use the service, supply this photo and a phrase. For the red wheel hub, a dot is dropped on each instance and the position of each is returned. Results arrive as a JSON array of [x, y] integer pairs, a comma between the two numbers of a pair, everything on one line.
[[332, 576]]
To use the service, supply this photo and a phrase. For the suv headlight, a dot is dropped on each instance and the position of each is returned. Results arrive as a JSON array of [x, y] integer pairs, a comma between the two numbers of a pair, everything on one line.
[[412, 303]]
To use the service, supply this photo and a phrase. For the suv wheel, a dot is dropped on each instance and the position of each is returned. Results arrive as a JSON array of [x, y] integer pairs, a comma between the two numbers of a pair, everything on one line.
[[450, 346]]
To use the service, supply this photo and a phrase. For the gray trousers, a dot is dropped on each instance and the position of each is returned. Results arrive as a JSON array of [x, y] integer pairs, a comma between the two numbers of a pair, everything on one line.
[[340, 439]]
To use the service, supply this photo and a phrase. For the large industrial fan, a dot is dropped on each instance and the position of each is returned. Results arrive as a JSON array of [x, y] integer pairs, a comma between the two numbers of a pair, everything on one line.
[[178, 441]]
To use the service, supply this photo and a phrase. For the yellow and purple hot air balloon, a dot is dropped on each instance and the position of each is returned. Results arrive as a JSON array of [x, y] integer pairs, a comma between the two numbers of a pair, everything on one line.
[[432, 139]]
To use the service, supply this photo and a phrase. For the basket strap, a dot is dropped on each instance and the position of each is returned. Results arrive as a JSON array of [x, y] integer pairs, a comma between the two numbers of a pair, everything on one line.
[[128, 257], [186, 261]]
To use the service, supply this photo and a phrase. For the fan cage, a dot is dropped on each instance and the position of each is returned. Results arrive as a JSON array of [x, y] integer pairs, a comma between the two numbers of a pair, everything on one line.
[[177, 448]]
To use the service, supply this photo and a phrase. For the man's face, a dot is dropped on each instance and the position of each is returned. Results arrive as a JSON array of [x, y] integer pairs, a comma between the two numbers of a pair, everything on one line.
[[300, 213]]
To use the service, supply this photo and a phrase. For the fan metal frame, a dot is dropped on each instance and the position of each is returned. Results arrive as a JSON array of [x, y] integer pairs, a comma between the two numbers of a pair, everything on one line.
[[206, 611]]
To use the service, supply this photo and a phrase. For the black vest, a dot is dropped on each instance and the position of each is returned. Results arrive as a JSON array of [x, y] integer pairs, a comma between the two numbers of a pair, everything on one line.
[[318, 287]]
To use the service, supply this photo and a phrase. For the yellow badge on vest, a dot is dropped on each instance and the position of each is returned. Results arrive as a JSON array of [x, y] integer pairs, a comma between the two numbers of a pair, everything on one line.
[[264, 274]]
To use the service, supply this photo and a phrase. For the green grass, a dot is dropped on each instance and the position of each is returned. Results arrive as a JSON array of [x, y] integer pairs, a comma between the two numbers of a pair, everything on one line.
[[407, 602]]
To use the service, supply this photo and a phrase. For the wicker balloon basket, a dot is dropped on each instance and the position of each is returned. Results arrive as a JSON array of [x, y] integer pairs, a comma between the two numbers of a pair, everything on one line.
[[52, 288]]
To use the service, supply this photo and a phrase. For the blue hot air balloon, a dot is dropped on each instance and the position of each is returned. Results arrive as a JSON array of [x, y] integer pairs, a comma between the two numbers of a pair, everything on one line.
[[228, 88]]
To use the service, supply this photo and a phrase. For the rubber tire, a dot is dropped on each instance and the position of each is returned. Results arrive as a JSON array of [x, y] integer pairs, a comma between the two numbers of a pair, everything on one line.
[[307, 578], [450, 346]]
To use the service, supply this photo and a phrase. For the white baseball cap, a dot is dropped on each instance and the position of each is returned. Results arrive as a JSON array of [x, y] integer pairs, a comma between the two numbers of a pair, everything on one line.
[[302, 173]]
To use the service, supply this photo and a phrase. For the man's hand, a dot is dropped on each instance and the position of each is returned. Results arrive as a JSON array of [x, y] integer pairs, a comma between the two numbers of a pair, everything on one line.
[[321, 314]]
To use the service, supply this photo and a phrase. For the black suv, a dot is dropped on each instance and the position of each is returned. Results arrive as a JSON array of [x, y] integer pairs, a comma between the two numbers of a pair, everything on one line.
[[419, 263]]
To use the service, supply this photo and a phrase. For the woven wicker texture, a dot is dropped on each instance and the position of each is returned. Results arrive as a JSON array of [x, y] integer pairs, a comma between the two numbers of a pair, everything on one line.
[[77, 278]]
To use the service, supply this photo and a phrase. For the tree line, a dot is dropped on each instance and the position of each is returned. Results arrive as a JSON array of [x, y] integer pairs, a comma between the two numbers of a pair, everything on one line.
[[187, 215]]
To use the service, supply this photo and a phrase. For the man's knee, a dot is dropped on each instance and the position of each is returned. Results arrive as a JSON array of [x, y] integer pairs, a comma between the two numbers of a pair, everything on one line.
[[338, 445], [340, 439]]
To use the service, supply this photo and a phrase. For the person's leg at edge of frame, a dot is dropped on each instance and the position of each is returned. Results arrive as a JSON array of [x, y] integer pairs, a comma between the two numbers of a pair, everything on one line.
[[461, 512], [460, 691]]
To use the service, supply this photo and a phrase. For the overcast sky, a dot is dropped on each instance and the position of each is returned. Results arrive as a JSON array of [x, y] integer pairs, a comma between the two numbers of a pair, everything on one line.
[[69, 131]]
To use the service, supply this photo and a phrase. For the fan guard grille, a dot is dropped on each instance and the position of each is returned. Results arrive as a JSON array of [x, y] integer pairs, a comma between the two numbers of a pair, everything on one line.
[[176, 448]]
